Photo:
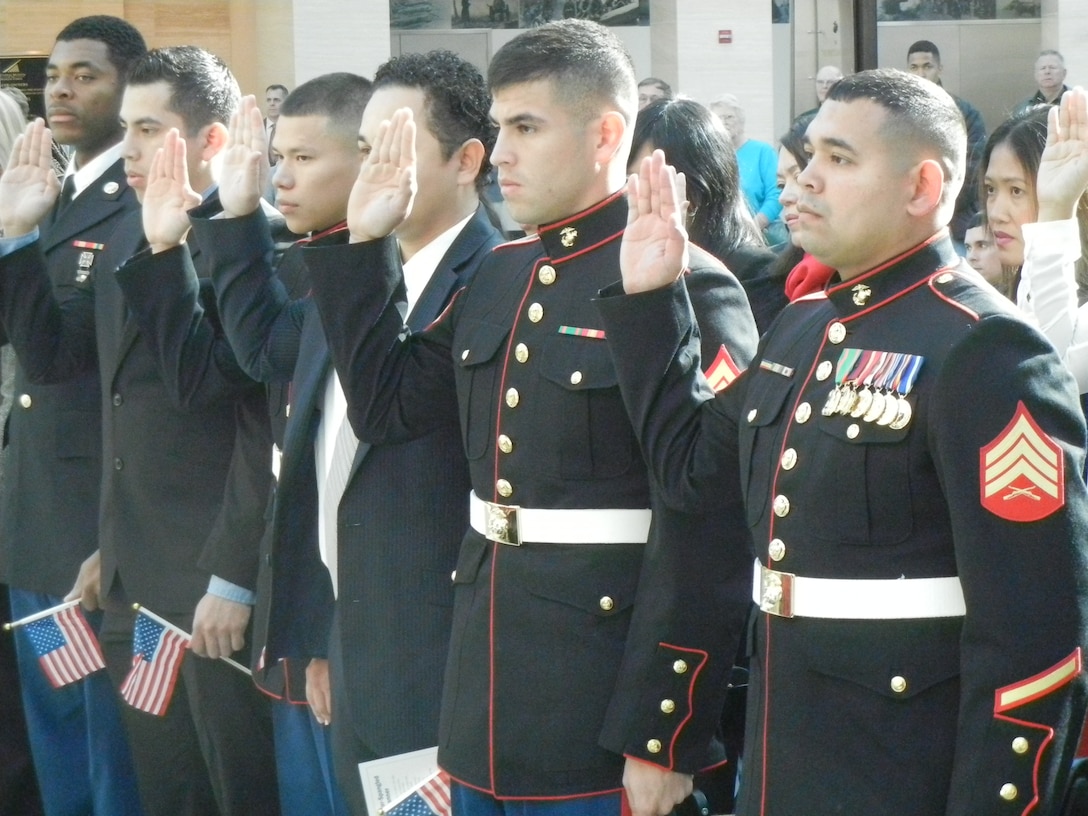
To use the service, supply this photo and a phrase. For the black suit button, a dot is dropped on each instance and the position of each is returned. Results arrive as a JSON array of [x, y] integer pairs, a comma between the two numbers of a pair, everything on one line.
[[118, 464], [118, 400]]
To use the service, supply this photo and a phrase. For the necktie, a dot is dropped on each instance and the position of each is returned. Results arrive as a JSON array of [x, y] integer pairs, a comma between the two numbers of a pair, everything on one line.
[[271, 135], [67, 193], [343, 456]]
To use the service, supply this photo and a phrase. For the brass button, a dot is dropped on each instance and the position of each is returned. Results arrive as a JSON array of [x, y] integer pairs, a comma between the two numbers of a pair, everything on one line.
[[680, 666], [899, 684], [521, 352], [781, 506], [607, 603], [776, 549], [536, 312], [575, 377], [654, 746], [25, 400], [1020, 745], [823, 370], [453, 575], [789, 459], [836, 333], [945, 278], [118, 400], [546, 275], [504, 488], [512, 397], [464, 354], [752, 415], [668, 706], [1009, 792], [803, 412], [505, 443], [853, 430]]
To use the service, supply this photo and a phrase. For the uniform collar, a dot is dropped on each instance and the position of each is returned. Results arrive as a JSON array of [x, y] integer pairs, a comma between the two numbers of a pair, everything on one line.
[[579, 233], [893, 277]]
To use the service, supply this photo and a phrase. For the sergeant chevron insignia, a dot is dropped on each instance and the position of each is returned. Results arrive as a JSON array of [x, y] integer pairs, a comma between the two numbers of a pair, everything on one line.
[[1022, 477]]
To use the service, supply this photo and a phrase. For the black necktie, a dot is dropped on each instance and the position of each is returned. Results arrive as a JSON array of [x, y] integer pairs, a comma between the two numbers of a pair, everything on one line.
[[67, 193]]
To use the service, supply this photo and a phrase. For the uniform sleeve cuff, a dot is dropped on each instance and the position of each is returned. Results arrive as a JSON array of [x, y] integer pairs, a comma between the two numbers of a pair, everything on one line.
[[11, 245]]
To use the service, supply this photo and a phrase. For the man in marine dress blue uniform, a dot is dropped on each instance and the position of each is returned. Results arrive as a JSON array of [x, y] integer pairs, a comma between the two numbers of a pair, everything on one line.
[[910, 452]]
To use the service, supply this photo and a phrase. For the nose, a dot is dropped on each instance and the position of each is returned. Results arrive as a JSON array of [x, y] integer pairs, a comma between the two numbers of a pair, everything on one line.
[[281, 179], [60, 88], [500, 154], [128, 147]]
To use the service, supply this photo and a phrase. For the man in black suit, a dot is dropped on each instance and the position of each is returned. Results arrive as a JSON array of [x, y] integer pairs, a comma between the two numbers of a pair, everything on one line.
[[390, 540], [167, 447], [52, 455]]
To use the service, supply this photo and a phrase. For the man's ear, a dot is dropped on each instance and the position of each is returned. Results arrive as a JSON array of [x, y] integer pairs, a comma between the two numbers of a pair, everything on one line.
[[927, 180], [470, 156], [611, 131], [212, 138]]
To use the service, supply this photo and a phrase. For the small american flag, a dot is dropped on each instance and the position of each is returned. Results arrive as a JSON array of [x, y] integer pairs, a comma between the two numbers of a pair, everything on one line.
[[66, 647], [431, 797], [157, 652]]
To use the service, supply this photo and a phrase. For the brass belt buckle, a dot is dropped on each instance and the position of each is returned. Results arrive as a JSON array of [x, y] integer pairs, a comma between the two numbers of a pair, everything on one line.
[[776, 592], [502, 524]]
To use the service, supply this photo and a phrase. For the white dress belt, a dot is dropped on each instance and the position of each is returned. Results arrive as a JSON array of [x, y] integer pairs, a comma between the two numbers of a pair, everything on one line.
[[787, 595], [510, 524]]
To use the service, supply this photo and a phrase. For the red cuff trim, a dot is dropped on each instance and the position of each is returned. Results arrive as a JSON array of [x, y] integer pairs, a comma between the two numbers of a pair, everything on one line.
[[1039, 686]]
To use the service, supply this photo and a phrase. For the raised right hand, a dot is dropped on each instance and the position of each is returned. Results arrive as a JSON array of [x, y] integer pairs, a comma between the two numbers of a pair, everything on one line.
[[1063, 167], [244, 167], [386, 185], [28, 185]]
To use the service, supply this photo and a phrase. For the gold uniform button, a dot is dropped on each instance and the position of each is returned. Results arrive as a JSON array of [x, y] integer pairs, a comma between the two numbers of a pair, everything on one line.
[[789, 459], [680, 666], [536, 312], [899, 684], [945, 278], [464, 354], [1008, 792], [836, 333], [823, 370], [575, 377], [25, 400], [781, 506], [607, 603], [504, 488], [1020, 745], [654, 746], [668, 706], [546, 275], [776, 549], [512, 397], [505, 443], [752, 415], [521, 352], [853, 430], [803, 412], [453, 575]]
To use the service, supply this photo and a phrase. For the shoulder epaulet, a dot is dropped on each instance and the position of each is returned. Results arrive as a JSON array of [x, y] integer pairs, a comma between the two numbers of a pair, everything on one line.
[[966, 291]]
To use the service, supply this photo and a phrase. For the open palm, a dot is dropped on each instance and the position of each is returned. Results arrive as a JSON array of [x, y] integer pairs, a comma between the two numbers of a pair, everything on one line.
[[1063, 167], [654, 250], [28, 186], [386, 186]]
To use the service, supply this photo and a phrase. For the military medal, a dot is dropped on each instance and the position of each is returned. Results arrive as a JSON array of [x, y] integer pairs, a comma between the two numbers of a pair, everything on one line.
[[891, 403], [846, 361], [880, 386], [873, 359], [86, 258], [903, 417]]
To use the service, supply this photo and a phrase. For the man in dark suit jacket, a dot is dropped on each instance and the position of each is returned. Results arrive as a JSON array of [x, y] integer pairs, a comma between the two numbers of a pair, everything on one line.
[[52, 453], [397, 526], [168, 445]]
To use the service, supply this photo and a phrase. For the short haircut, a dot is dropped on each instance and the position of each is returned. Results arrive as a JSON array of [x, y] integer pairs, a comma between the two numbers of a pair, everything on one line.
[[585, 62], [455, 98], [977, 221], [696, 144], [12, 123], [920, 115], [124, 44], [202, 88], [1050, 52], [925, 47], [660, 84], [277, 88], [340, 96]]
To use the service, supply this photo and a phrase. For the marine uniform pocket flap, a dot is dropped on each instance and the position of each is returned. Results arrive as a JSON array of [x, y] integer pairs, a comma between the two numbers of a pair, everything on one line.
[[859, 431], [767, 393], [603, 586], [478, 342], [578, 363]]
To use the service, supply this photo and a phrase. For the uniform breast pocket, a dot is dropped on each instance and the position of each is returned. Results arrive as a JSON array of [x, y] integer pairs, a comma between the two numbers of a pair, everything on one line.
[[767, 396], [581, 402], [478, 350], [869, 466]]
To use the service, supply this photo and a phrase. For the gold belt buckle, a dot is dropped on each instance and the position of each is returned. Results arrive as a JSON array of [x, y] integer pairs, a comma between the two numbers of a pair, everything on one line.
[[776, 592], [502, 524]]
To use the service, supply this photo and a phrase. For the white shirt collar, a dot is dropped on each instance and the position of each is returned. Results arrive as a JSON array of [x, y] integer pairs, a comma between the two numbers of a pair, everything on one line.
[[420, 267], [86, 175]]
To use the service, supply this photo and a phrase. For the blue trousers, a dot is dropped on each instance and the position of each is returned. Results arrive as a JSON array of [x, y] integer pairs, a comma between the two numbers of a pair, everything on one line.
[[304, 763], [467, 801], [81, 755]]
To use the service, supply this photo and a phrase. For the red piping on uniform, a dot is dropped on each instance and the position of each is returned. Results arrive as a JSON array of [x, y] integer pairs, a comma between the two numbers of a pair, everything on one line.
[[1047, 739], [1074, 657], [946, 298], [446, 310], [600, 205], [888, 263], [691, 695], [766, 710]]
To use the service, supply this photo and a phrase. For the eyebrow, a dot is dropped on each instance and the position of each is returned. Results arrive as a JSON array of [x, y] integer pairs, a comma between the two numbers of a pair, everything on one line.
[[518, 119], [831, 142], [75, 66], [143, 120]]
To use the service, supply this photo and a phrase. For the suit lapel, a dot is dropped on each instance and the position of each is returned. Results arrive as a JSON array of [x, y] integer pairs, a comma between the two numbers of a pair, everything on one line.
[[308, 387], [106, 195]]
